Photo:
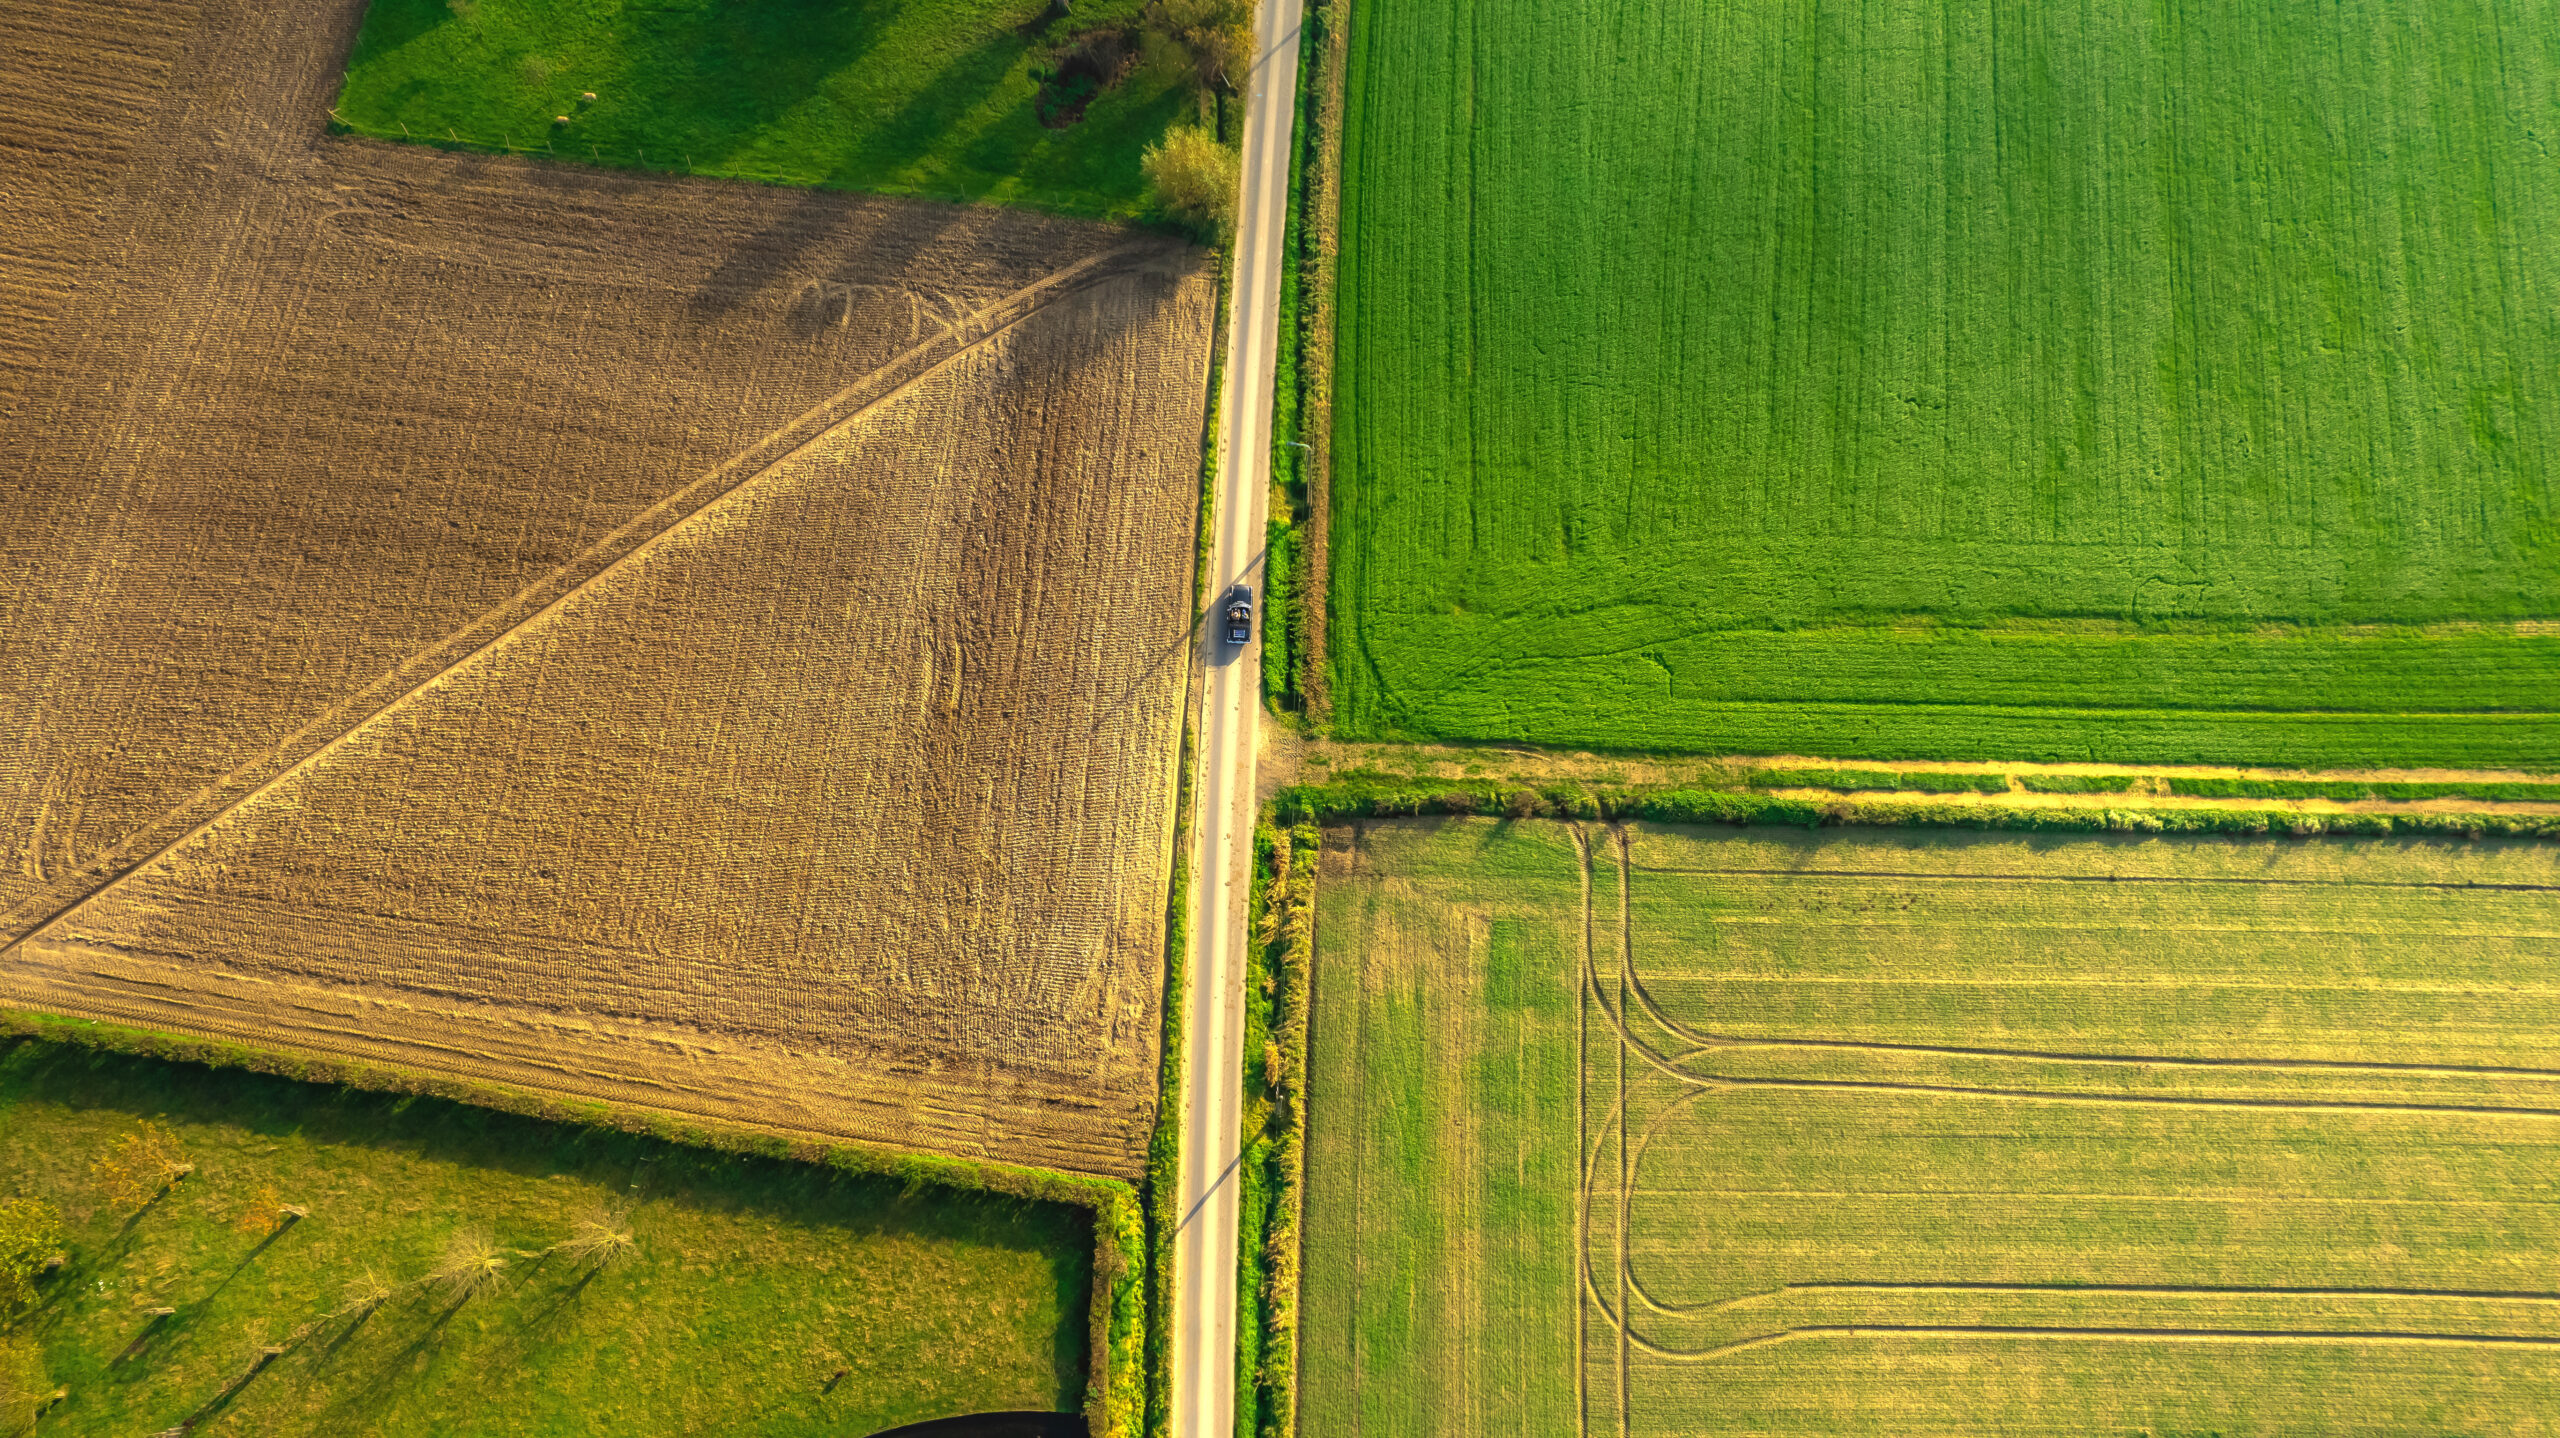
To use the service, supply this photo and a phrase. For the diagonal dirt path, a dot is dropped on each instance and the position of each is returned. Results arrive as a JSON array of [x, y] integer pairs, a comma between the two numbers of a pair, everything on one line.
[[494, 628]]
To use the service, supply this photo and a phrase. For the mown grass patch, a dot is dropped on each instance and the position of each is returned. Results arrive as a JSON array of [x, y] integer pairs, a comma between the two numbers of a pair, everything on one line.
[[943, 99], [765, 1296], [1956, 380]]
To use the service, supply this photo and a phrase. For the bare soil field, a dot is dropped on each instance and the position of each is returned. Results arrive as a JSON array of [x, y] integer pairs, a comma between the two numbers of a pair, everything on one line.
[[699, 645]]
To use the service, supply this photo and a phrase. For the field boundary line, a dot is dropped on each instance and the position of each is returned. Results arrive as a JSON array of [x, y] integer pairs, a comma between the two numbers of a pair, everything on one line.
[[2105, 879], [342, 721], [2099, 1335], [1627, 1162], [2161, 1290], [1702, 1083], [1709, 1082], [1581, 1140], [1709, 1041]]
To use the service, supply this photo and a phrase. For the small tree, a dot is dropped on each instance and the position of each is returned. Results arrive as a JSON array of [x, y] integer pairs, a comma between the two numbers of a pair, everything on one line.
[[363, 1294], [1194, 176], [30, 1243], [139, 1167], [1216, 34], [600, 1241], [472, 1266]]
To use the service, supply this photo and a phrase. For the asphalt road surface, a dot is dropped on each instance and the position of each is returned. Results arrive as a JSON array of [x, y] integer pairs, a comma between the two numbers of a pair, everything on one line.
[[1204, 1341]]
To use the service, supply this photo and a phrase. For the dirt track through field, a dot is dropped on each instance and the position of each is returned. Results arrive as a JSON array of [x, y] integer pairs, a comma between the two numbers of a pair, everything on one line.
[[771, 577]]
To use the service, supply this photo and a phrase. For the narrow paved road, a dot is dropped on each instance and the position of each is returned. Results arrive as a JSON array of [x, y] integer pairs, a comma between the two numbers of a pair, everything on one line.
[[1204, 1339]]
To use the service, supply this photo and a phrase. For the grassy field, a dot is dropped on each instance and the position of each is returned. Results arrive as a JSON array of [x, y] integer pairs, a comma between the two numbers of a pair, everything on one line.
[[754, 1283], [1957, 379], [937, 99], [1898, 1133]]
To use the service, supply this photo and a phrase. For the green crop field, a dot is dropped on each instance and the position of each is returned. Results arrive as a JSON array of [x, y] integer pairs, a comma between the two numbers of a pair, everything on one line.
[[935, 97], [1670, 1131], [1953, 379], [754, 1283]]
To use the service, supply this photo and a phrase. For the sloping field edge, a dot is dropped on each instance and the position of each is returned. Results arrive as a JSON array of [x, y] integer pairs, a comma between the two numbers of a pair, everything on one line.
[[1114, 1404]]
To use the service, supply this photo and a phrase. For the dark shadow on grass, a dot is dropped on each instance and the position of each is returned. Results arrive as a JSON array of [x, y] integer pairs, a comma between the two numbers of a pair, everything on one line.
[[213, 1407], [567, 1295], [900, 234], [245, 1260], [390, 24], [933, 110], [346, 1334], [995, 1425]]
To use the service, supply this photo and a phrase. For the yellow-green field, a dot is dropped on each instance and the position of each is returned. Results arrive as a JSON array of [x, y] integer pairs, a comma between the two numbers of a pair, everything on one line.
[[1657, 1131]]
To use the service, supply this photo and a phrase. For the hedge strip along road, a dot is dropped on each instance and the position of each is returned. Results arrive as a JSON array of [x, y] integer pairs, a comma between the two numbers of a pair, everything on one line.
[[1204, 1352], [1656, 1130]]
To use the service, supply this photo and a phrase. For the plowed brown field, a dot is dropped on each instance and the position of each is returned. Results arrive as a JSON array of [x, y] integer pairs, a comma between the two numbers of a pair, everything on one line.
[[698, 645]]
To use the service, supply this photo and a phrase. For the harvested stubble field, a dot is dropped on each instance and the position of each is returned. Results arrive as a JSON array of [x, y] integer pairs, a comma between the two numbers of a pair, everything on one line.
[[751, 1284], [1656, 1130], [703, 646], [1957, 379]]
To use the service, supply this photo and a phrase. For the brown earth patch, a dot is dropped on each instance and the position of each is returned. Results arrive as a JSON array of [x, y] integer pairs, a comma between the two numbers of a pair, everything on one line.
[[677, 641]]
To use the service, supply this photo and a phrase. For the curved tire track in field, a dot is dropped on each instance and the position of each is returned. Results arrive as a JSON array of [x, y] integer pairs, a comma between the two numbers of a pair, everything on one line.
[[486, 634], [2276, 1336], [2146, 1290], [1995, 878], [1672, 1065]]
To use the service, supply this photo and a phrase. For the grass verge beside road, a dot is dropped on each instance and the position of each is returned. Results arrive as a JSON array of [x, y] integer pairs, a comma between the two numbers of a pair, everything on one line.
[[1272, 1169]]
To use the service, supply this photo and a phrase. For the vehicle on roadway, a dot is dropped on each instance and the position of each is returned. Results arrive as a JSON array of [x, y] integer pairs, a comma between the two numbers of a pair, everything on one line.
[[1239, 615]]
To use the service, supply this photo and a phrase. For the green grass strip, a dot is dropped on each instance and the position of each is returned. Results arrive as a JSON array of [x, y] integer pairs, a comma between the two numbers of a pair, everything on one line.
[[940, 98], [1923, 781], [2075, 783]]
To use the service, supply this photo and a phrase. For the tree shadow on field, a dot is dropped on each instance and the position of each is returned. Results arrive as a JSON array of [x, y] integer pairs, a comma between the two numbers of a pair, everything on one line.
[[887, 236], [874, 239], [385, 25], [688, 84]]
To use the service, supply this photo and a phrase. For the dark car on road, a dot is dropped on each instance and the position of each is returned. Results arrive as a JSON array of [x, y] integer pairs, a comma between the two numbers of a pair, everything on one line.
[[1239, 615]]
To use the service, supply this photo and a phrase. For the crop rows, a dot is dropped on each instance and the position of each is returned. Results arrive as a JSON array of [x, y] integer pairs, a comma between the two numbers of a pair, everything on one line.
[[1899, 1132], [1951, 378]]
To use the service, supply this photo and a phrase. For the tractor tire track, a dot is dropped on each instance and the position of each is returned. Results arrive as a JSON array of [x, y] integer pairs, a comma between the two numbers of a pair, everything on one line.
[[485, 635]]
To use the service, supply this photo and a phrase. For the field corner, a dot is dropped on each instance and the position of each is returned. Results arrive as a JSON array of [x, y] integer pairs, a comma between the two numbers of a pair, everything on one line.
[[1115, 1317]]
